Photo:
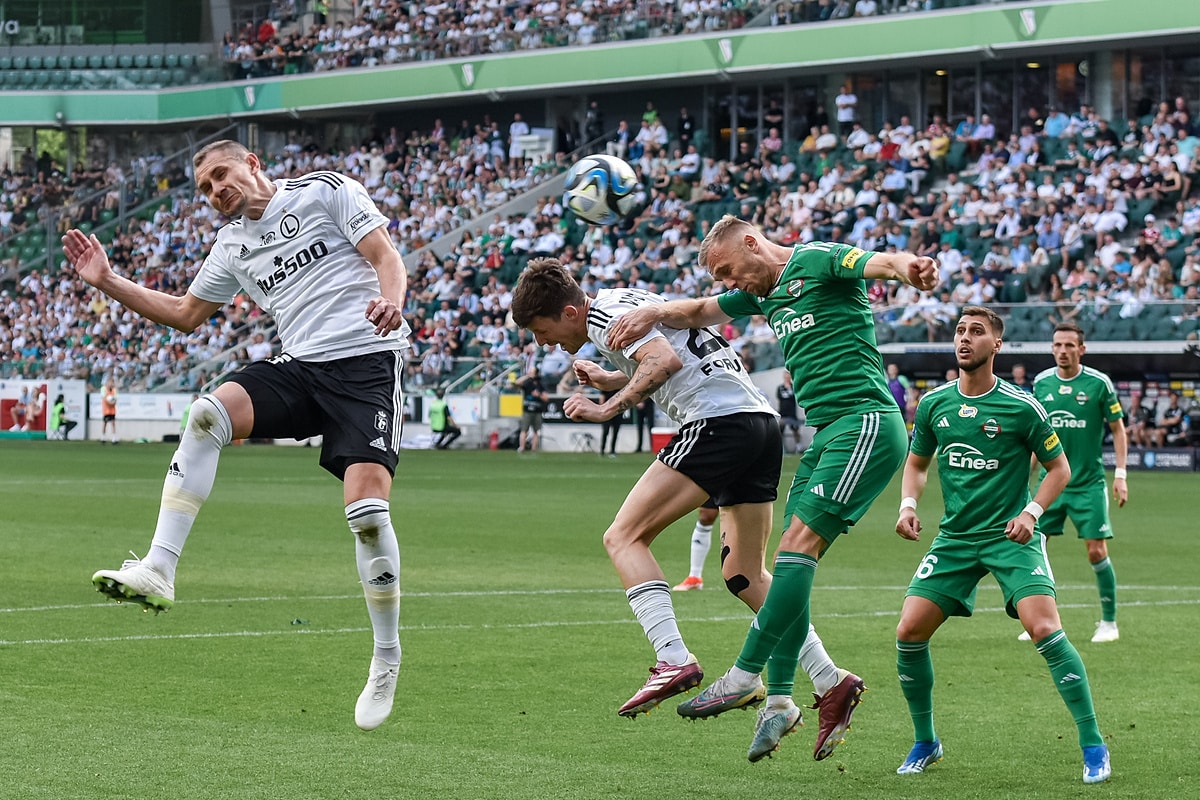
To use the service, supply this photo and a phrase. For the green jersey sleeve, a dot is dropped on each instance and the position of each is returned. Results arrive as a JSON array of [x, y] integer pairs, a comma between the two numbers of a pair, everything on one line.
[[739, 304], [1042, 441], [924, 443]]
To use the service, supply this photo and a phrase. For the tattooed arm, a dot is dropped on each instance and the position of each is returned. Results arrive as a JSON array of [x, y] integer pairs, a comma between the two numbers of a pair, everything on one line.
[[657, 362]]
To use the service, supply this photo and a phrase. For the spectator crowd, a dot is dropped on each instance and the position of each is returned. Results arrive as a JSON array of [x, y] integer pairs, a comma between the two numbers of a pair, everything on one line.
[[1093, 221]]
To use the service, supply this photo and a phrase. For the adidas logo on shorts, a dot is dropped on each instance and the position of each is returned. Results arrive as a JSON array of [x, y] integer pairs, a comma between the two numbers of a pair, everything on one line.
[[379, 444]]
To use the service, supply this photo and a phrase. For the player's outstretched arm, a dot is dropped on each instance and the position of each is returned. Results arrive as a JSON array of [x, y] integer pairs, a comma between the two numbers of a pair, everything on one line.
[[912, 486], [679, 314], [919, 271], [386, 311], [86, 254]]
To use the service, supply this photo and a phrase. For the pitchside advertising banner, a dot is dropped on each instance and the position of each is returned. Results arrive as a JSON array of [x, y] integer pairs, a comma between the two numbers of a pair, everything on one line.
[[25, 405], [1174, 459]]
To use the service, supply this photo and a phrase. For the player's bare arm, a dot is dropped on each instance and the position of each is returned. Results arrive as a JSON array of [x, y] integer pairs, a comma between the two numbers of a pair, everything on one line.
[[592, 374], [919, 271], [1120, 487], [86, 254], [916, 473], [679, 314], [386, 311], [657, 362], [1058, 475]]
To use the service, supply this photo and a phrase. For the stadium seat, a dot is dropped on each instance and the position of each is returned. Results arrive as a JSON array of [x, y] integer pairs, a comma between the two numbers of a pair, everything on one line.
[[19, 62], [79, 62], [95, 62], [202, 60], [186, 60], [33, 62], [156, 60], [141, 61], [6, 62], [125, 61], [110, 61]]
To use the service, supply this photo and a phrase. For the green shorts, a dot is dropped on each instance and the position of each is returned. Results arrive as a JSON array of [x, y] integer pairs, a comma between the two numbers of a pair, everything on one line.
[[847, 466], [1087, 510], [952, 569]]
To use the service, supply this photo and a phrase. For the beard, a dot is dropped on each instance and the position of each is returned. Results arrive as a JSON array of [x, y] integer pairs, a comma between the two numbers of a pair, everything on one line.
[[973, 361]]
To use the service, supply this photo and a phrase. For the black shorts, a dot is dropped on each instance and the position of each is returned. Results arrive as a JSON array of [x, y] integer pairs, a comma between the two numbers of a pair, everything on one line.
[[736, 459], [356, 405], [110, 417]]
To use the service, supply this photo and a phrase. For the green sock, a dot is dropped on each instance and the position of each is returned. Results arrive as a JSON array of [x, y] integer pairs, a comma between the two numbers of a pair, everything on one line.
[[781, 668], [915, 667], [1070, 678], [1106, 579], [786, 606]]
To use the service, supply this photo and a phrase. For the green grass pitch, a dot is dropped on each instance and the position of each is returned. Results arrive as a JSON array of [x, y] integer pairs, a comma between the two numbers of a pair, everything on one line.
[[519, 645]]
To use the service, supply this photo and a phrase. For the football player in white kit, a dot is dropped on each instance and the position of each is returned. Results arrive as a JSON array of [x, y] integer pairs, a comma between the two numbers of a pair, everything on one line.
[[315, 253], [728, 448]]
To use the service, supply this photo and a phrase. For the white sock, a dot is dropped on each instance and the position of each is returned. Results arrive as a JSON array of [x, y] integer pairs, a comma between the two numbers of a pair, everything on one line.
[[378, 556], [817, 663], [779, 702], [741, 678], [701, 542], [651, 604], [189, 481]]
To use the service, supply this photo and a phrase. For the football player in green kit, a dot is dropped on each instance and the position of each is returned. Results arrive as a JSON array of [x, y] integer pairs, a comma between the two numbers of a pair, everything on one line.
[[983, 431], [814, 297], [1081, 401]]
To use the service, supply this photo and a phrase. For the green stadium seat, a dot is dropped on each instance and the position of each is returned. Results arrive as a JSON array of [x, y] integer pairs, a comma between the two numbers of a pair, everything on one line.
[[33, 62], [125, 61], [6, 62], [25, 79], [110, 61], [95, 62], [19, 62], [202, 60], [79, 62], [141, 61], [186, 60], [156, 60], [58, 77], [171, 60]]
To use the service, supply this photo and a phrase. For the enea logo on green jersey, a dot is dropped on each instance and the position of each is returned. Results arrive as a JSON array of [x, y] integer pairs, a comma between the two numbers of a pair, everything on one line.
[[1065, 419], [964, 456], [786, 324]]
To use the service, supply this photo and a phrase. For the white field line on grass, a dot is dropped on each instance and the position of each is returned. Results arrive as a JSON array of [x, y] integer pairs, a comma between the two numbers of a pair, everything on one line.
[[743, 618], [546, 592]]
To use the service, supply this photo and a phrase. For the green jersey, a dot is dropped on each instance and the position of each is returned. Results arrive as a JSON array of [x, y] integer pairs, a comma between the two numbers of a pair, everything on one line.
[[1080, 410], [438, 411], [822, 318], [983, 445]]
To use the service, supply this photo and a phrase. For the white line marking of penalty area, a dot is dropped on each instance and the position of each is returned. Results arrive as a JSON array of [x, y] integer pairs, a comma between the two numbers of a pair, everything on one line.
[[743, 618], [540, 592]]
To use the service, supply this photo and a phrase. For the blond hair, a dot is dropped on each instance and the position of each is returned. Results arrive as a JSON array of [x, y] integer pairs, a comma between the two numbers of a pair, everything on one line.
[[222, 147], [720, 231]]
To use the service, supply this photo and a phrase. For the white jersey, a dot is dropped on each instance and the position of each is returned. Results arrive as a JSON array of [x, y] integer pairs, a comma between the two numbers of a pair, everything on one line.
[[299, 262], [712, 381]]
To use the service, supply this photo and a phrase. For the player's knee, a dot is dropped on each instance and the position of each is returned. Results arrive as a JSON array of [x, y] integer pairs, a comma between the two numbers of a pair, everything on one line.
[[367, 519], [208, 418], [736, 584]]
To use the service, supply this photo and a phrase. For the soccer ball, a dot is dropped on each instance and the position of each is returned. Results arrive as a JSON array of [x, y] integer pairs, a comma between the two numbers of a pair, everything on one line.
[[601, 189]]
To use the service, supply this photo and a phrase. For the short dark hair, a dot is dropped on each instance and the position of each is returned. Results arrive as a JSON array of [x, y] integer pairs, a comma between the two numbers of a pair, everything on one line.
[[544, 289], [994, 319], [1070, 326]]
